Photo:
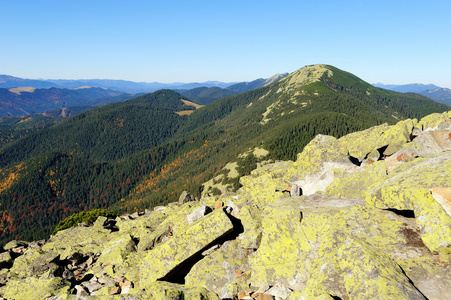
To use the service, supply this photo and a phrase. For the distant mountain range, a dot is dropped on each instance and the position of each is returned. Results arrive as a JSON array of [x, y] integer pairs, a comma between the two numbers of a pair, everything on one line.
[[205, 95], [131, 87], [30, 100], [432, 91], [20, 96]]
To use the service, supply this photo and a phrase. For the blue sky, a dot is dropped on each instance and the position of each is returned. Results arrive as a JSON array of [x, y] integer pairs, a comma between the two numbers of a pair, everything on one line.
[[395, 42]]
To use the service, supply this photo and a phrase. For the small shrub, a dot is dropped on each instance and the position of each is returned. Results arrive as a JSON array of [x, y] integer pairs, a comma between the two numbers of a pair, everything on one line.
[[89, 217]]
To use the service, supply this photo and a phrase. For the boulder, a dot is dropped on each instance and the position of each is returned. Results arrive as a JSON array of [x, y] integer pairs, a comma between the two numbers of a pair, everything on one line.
[[161, 290], [172, 255], [79, 239], [35, 288], [433, 120], [186, 197], [408, 186], [431, 142], [152, 238], [401, 156], [5, 260], [353, 184], [117, 249], [34, 262], [197, 214], [387, 138], [313, 171], [219, 268]]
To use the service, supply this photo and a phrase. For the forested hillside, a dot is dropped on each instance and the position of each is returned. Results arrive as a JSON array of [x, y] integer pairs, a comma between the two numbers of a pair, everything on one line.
[[140, 153]]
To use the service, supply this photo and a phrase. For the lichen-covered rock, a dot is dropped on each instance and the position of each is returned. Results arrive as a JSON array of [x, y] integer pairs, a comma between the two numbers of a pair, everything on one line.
[[283, 255], [152, 238], [161, 290], [117, 249], [34, 262], [431, 274], [354, 184], [431, 142], [314, 168], [219, 268], [251, 220], [197, 214], [401, 156], [362, 143], [263, 185], [139, 227], [32, 288], [181, 247], [433, 120], [80, 239], [176, 218], [5, 260], [408, 186]]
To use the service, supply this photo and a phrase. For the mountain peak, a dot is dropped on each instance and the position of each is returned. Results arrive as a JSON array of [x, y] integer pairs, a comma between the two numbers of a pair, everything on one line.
[[305, 76]]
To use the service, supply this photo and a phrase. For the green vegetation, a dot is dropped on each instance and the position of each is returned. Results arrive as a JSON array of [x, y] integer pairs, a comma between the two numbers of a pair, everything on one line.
[[82, 217], [139, 154], [204, 95]]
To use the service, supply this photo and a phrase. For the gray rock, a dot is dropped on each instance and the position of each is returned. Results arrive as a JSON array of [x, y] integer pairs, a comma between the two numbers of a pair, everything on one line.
[[185, 197], [197, 214], [279, 290], [5, 260], [67, 274], [15, 244], [93, 286], [432, 142], [295, 190]]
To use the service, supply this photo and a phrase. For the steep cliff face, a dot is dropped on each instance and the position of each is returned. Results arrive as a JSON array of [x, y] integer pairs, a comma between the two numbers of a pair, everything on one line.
[[366, 216]]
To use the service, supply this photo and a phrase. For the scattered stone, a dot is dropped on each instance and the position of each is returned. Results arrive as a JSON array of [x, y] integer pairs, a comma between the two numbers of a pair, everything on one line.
[[67, 274], [81, 290], [279, 290], [15, 244], [126, 286], [115, 290], [219, 204], [93, 286]]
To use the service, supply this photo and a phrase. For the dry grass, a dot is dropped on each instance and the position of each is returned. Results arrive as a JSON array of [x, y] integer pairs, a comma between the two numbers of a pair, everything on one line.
[[22, 89], [184, 112], [189, 103]]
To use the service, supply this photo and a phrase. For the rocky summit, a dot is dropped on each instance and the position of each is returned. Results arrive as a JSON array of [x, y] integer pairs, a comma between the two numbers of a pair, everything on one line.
[[365, 216]]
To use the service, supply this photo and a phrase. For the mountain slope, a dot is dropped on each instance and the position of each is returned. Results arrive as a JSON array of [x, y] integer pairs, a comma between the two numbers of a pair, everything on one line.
[[442, 95], [106, 133], [180, 153], [205, 95]]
